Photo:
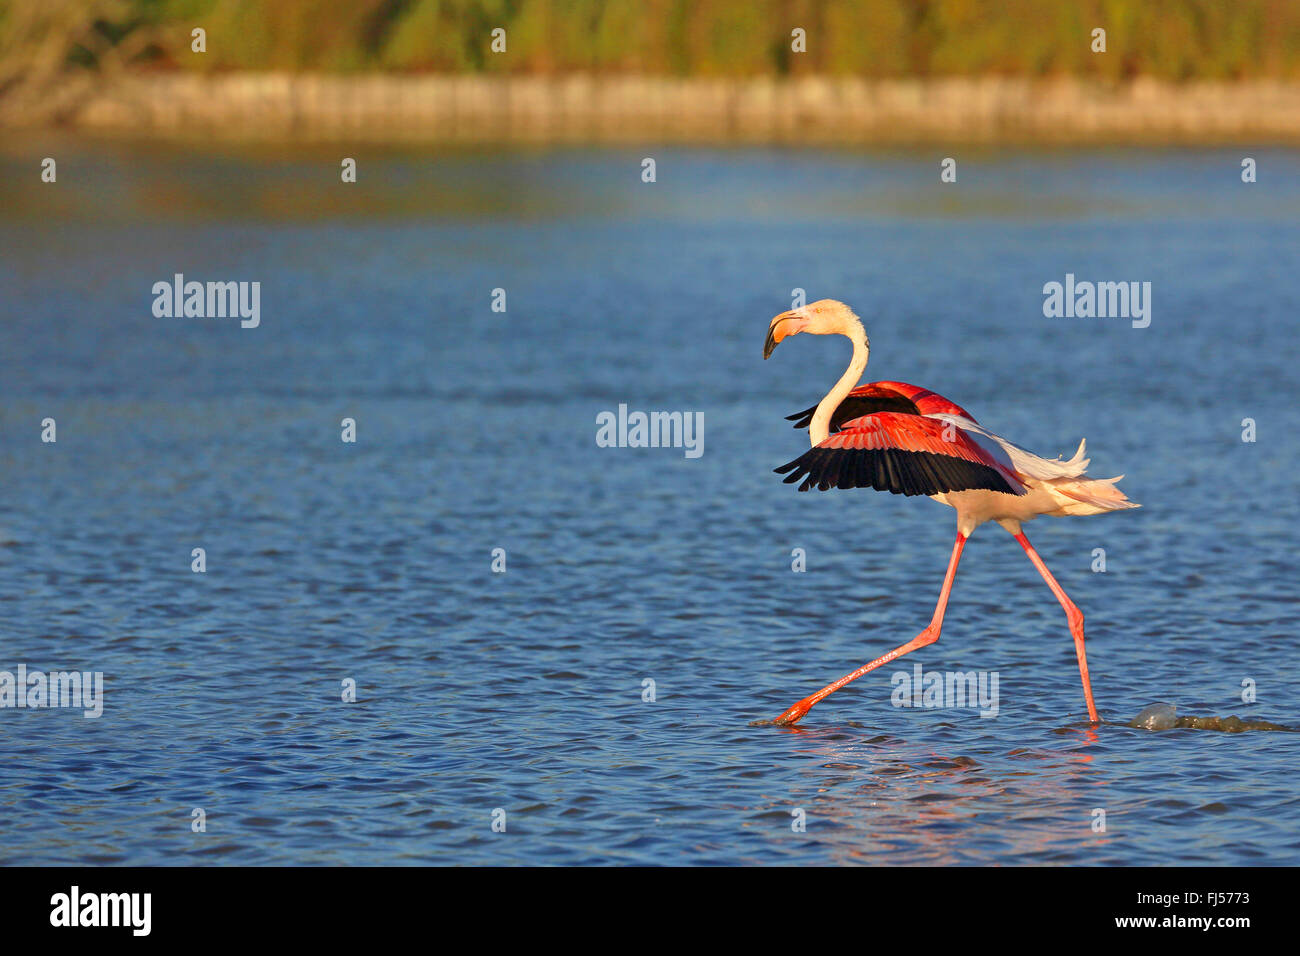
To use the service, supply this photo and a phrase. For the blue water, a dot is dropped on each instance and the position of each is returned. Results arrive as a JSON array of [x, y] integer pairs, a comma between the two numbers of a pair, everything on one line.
[[522, 690]]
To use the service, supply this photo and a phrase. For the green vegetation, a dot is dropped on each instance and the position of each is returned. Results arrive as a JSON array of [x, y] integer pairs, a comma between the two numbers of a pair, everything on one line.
[[1172, 39]]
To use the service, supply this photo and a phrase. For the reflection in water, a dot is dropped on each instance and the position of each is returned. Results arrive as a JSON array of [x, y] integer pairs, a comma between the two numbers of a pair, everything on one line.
[[880, 799]]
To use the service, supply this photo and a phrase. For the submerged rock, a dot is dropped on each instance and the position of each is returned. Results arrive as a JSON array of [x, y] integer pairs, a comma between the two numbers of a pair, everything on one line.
[[1230, 725], [1165, 717]]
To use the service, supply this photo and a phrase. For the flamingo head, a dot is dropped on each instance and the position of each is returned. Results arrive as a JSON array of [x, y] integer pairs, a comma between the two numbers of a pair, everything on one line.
[[823, 317]]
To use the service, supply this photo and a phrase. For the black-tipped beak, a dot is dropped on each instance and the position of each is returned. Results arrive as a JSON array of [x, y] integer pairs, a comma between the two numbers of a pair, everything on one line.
[[772, 342]]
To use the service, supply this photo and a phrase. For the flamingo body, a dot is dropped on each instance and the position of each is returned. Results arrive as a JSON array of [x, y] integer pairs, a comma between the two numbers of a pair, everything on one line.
[[909, 440]]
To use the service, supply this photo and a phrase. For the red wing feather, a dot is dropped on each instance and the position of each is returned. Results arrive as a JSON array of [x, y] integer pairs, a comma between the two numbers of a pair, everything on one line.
[[903, 454], [884, 397]]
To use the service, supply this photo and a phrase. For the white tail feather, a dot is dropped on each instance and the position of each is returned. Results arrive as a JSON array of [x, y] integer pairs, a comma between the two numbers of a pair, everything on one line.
[[1090, 497], [1063, 479]]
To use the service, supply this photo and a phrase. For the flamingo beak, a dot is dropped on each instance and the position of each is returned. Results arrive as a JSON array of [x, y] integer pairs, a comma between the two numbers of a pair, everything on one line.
[[783, 326]]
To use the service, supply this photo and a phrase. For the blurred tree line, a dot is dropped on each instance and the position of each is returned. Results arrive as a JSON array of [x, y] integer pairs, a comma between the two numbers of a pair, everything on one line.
[[1172, 39]]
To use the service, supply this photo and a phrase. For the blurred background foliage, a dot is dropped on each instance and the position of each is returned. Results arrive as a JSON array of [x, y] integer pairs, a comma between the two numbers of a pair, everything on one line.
[[1170, 39]]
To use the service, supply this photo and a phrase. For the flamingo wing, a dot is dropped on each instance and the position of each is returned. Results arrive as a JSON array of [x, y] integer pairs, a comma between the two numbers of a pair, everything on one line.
[[903, 454], [884, 397]]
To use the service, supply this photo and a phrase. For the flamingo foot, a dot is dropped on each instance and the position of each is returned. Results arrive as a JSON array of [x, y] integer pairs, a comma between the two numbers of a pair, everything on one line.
[[794, 714]]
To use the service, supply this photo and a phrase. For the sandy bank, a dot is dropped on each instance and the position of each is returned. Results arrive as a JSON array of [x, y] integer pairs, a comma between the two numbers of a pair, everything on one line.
[[630, 109]]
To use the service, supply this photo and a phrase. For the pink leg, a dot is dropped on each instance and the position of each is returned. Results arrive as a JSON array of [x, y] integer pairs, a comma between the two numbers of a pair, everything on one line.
[[1072, 614], [928, 636]]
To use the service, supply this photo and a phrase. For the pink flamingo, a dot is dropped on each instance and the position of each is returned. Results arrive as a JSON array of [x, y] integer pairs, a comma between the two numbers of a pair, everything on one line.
[[908, 440]]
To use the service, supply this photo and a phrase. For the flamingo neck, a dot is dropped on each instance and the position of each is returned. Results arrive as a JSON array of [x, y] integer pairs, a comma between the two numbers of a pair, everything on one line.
[[820, 426]]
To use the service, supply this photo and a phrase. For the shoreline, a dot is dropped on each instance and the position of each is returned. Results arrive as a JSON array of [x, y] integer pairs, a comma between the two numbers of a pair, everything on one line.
[[627, 109]]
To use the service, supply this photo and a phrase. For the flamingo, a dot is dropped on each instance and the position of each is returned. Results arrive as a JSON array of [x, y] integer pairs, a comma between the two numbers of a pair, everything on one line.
[[908, 440]]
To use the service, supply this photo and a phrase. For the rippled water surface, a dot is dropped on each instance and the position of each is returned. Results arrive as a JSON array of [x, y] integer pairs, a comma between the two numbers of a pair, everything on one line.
[[476, 430]]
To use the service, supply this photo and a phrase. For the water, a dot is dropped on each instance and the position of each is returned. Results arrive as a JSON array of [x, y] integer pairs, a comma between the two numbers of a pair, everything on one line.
[[523, 691]]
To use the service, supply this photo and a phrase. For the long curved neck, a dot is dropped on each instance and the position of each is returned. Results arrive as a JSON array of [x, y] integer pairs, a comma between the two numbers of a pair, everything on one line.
[[820, 426]]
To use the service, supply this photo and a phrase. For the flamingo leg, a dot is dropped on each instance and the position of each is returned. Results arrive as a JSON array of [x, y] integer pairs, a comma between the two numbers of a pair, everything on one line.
[[1072, 614], [928, 636]]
